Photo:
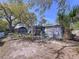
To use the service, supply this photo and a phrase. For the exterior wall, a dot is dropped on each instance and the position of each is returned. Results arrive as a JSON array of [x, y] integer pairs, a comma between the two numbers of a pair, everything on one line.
[[55, 33], [49, 32]]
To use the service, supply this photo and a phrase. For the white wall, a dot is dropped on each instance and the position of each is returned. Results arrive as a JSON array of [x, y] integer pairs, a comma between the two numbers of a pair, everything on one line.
[[54, 32]]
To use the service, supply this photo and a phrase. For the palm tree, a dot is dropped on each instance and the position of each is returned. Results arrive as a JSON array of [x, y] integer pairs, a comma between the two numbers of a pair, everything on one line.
[[74, 14], [66, 20], [63, 19]]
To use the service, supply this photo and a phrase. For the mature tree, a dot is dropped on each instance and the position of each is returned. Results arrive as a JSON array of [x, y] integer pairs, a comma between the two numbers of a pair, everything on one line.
[[12, 12], [63, 18], [67, 20], [65, 23], [18, 12], [7, 14], [26, 17], [22, 14], [74, 16]]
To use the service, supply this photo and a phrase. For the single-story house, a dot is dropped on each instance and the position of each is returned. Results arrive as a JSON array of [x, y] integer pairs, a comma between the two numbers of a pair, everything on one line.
[[53, 31]]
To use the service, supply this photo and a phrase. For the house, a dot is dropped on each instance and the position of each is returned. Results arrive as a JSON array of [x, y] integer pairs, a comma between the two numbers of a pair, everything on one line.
[[51, 31], [20, 28]]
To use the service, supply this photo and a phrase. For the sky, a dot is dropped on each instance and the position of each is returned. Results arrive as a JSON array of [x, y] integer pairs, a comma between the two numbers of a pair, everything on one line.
[[51, 14]]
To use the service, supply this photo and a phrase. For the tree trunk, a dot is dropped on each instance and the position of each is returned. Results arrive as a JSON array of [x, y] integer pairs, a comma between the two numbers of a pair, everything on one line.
[[10, 26], [67, 34], [32, 31]]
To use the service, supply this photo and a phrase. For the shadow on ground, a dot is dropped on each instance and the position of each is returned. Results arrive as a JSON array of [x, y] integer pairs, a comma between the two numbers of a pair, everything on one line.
[[1, 43]]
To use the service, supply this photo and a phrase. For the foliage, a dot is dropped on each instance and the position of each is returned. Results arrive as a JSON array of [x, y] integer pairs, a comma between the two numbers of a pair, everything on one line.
[[65, 22], [66, 19], [61, 11], [39, 5], [17, 12], [74, 14], [29, 19], [76, 25], [16, 1], [3, 25], [21, 12], [42, 5], [7, 14]]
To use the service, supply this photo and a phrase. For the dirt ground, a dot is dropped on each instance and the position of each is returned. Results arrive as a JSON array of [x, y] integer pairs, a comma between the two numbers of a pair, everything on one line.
[[18, 49]]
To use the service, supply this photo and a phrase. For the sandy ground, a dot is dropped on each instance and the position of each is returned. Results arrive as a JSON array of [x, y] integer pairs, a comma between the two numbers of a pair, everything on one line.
[[17, 49]]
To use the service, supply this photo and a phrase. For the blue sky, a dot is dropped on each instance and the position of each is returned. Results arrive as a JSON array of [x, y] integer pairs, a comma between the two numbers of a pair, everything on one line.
[[51, 14]]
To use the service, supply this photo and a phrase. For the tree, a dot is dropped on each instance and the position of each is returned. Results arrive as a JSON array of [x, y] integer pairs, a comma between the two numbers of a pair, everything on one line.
[[65, 23], [12, 12], [17, 12], [7, 14], [68, 20], [63, 19], [74, 16], [21, 12]]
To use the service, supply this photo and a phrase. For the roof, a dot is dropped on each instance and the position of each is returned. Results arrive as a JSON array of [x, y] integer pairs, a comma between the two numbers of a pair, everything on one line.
[[19, 25], [50, 26]]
